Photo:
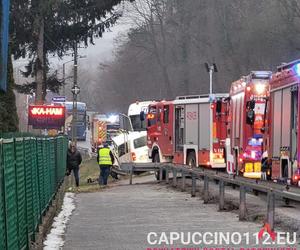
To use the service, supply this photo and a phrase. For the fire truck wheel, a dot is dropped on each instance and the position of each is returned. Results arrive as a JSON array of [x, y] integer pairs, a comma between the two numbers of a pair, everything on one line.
[[191, 159], [156, 159]]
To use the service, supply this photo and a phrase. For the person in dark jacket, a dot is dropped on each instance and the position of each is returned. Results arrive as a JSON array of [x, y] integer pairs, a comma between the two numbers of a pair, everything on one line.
[[74, 159], [105, 160]]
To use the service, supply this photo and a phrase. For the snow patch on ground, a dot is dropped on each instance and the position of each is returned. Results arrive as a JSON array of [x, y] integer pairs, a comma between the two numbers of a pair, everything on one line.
[[55, 239]]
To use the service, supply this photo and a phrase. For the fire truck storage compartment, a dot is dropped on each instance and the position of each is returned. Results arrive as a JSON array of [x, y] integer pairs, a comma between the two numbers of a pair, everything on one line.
[[281, 131], [192, 119], [204, 128], [237, 103], [179, 127], [281, 120], [192, 126]]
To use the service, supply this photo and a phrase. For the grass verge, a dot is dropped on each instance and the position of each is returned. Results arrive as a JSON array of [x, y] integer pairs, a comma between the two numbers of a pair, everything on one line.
[[89, 169]]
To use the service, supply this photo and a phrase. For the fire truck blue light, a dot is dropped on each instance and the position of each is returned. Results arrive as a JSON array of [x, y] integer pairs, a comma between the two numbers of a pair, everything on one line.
[[297, 69]]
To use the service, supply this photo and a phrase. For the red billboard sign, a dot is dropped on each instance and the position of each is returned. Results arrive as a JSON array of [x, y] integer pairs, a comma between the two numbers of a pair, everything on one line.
[[46, 117]]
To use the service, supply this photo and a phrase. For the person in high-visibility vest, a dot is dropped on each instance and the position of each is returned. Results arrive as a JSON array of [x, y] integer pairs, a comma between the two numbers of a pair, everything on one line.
[[105, 160]]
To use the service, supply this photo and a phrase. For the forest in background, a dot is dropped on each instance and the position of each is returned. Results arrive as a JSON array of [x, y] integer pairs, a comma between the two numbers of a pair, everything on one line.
[[164, 54]]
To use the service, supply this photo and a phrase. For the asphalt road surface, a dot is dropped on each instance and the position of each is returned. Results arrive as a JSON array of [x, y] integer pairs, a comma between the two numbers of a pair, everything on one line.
[[122, 216]]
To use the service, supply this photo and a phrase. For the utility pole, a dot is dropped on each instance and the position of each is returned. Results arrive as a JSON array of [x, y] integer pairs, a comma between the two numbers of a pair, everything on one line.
[[211, 69], [75, 91], [64, 80]]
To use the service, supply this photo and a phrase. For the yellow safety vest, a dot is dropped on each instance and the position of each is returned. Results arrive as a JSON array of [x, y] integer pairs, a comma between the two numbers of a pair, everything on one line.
[[104, 157]]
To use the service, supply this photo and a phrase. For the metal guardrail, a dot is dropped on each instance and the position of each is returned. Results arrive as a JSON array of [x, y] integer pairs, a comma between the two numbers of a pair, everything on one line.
[[272, 190]]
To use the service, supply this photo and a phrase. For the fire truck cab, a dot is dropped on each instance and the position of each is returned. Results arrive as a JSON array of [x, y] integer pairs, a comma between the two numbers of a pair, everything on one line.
[[246, 124], [283, 146], [188, 130]]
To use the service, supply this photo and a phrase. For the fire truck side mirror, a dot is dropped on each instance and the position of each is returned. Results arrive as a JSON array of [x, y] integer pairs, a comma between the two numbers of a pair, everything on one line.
[[250, 117], [219, 106], [142, 116]]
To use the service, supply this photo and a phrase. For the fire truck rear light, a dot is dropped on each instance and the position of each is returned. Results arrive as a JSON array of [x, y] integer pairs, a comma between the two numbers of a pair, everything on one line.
[[295, 177], [208, 163], [248, 88], [212, 106], [241, 159]]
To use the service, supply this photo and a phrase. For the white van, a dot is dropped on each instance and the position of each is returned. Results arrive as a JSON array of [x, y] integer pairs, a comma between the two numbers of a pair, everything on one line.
[[130, 147]]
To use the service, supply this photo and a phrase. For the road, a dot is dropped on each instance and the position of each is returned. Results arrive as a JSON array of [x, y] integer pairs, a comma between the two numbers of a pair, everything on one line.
[[87, 143], [122, 216]]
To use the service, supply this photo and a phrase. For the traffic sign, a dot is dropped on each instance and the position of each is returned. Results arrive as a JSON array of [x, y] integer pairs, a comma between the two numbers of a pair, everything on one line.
[[59, 99]]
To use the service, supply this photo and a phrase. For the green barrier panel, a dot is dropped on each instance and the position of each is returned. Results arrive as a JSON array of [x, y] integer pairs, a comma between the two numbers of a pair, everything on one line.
[[64, 156], [29, 186], [10, 197], [2, 216], [52, 167], [40, 163], [46, 171], [21, 194], [58, 148], [31, 170], [35, 184]]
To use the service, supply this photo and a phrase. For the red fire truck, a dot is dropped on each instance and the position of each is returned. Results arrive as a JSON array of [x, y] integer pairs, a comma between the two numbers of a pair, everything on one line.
[[188, 130], [283, 117], [246, 122]]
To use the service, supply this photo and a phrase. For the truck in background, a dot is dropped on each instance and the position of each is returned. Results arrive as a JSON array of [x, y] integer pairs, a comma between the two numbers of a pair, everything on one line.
[[81, 121], [103, 130]]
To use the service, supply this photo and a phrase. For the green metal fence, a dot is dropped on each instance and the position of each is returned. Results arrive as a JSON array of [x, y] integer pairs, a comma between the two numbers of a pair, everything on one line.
[[31, 170]]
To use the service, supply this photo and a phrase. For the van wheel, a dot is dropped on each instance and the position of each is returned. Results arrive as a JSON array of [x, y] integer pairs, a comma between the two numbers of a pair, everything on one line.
[[191, 159]]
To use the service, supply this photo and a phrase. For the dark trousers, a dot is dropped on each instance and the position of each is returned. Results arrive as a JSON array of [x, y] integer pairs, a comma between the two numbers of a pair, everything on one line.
[[76, 175], [104, 173]]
